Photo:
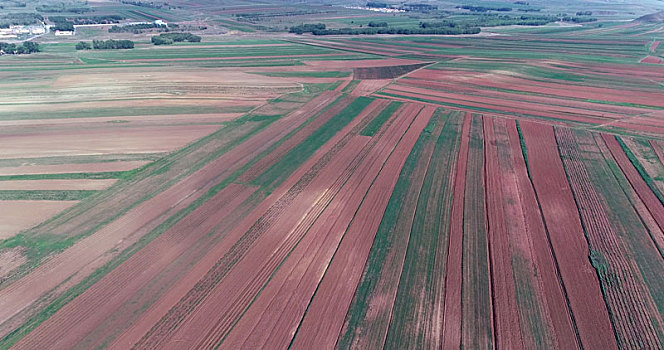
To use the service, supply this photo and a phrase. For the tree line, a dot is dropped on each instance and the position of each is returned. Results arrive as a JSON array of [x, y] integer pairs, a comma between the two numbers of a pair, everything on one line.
[[13, 49], [105, 45], [170, 38]]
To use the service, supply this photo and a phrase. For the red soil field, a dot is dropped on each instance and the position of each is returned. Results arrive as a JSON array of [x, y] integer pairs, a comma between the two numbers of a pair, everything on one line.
[[549, 283], [343, 85], [376, 323], [569, 90], [506, 313], [553, 100], [567, 238], [651, 59], [632, 306], [200, 318], [160, 309], [501, 105], [535, 328], [326, 313], [206, 325], [150, 213], [656, 236], [84, 313], [654, 46], [453, 276]]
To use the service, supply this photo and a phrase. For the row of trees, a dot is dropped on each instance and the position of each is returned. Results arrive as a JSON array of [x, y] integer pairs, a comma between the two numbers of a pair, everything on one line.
[[307, 28], [105, 19], [401, 31], [472, 8], [63, 26], [14, 49], [105, 45], [440, 28], [170, 38], [137, 28]]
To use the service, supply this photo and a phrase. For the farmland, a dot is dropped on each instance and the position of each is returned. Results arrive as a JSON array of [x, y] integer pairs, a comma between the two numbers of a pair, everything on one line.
[[264, 189]]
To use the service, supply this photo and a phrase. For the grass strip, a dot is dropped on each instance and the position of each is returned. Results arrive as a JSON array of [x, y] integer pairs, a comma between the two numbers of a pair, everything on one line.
[[45, 195], [300, 153], [372, 128], [639, 167], [384, 241]]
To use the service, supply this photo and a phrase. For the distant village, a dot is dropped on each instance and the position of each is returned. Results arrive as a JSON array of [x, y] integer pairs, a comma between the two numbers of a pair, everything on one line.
[[22, 32], [26, 32]]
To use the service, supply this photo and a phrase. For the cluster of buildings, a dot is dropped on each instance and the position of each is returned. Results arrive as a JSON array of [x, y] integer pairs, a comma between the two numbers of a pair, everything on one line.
[[16, 31]]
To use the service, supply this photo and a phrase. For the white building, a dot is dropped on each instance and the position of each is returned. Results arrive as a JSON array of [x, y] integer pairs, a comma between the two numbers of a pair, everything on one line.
[[64, 33]]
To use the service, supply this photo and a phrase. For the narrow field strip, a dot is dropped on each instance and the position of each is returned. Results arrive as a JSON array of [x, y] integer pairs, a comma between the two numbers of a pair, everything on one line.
[[553, 301], [533, 313], [417, 316], [476, 292], [326, 313], [507, 323], [452, 316], [370, 312], [567, 237]]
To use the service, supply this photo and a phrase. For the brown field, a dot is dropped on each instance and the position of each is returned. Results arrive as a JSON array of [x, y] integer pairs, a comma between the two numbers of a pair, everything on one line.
[[20, 215], [86, 185], [107, 140]]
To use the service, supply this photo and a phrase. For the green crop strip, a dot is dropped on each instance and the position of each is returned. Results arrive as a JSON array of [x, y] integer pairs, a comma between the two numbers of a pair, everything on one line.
[[299, 154], [524, 149], [639, 167], [384, 240], [76, 176], [48, 244], [422, 267], [324, 74], [372, 128], [351, 86], [47, 195]]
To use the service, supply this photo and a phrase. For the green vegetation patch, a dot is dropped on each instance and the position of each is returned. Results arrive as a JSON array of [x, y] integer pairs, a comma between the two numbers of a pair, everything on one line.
[[372, 128], [300, 153], [81, 176], [45, 195], [386, 237], [330, 74], [644, 174]]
